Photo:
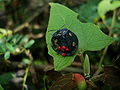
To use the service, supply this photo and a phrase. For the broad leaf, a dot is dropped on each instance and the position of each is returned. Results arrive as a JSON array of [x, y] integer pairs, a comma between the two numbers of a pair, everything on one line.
[[89, 35], [105, 6]]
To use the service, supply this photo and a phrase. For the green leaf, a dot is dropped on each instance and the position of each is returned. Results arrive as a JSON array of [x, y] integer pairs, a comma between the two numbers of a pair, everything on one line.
[[23, 40], [4, 32], [86, 66], [105, 6], [87, 11], [29, 44], [1, 88], [2, 47], [26, 61], [10, 47], [5, 78], [6, 55], [89, 35], [14, 38]]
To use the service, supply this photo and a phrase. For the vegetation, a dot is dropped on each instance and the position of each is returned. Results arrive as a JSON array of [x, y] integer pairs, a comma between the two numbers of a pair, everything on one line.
[[28, 61]]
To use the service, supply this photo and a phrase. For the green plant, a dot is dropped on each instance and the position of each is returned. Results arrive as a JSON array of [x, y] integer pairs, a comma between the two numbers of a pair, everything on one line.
[[90, 37], [13, 43]]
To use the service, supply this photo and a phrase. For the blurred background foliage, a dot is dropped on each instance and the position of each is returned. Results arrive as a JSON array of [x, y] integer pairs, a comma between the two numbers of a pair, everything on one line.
[[23, 25]]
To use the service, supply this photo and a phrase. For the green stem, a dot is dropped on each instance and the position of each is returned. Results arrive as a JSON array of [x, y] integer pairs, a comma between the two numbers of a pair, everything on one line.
[[103, 55], [105, 50], [27, 52], [96, 78], [25, 77], [110, 34], [81, 58]]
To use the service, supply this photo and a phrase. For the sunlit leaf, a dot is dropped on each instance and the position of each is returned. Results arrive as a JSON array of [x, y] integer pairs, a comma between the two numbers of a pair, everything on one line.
[[105, 6]]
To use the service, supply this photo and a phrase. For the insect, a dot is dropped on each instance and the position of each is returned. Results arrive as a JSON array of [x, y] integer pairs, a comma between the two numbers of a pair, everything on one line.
[[64, 42]]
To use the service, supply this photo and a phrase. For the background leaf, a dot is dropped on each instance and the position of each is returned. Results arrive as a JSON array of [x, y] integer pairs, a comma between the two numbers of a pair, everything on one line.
[[4, 32], [6, 55], [105, 6], [87, 11], [10, 47], [5, 78], [89, 35], [29, 44], [1, 88]]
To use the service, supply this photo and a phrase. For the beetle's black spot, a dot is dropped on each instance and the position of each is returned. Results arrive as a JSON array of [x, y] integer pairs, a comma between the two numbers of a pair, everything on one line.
[[65, 37]]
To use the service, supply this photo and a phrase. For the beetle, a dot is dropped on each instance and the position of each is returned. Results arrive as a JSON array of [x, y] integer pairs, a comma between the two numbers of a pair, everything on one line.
[[64, 42]]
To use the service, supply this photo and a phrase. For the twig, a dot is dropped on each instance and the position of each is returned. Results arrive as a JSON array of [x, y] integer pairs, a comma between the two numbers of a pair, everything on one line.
[[25, 77], [96, 78], [27, 52], [110, 34]]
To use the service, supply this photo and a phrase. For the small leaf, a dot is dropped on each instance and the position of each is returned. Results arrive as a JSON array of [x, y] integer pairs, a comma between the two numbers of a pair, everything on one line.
[[10, 47], [86, 66], [6, 55], [24, 40], [26, 61], [2, 47], [105, 6], [29, 44], [19, 38], [4, 32], [9, 38], [1, 88], [14, 38]]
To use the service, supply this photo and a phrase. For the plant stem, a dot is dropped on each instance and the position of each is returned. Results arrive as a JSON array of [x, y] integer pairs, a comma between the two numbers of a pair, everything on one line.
[[27, 52], [81, 58], [110, 34], [96, 78], [105, 50], [103, 55], [25, 77]]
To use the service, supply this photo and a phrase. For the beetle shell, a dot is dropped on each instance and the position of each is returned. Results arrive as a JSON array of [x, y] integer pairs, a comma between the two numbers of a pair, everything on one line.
[[64, 42]]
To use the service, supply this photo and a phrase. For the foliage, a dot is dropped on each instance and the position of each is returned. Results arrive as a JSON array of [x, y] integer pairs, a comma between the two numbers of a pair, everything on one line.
[[90, 37], [27, 60], [1, 88], [13, 44], [105, 6], [5, 78], [87, 11]]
